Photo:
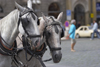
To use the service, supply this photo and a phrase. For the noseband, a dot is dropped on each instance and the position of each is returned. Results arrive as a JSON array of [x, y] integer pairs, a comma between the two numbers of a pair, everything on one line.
[[21, 20]]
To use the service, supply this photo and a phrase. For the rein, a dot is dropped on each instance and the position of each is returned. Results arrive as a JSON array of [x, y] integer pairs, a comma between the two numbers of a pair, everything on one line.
[[37, 53], [27, 48]]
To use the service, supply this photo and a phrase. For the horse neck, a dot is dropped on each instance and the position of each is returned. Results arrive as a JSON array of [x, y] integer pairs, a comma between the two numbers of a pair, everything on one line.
[[9, 28], [42, 26]]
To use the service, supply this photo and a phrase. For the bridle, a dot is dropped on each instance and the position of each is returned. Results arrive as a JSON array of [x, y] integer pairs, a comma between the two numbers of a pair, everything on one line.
[[22, 21], [26, 44], [10, 52], [54, 23]]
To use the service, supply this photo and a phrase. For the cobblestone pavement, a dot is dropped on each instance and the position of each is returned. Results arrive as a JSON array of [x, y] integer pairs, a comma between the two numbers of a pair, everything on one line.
[[87, 54]]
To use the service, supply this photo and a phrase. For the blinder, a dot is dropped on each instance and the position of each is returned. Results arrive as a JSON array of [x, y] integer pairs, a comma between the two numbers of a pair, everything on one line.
[[62, 33], [57, 23], [25, 21], [38, 22]]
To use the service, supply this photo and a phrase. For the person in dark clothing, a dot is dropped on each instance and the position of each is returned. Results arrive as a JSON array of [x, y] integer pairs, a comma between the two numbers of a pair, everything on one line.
[[78, 25]]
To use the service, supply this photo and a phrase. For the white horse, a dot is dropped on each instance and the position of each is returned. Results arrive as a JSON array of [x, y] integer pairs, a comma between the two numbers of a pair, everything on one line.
[[52, 35], [21, 20], [51, 32]]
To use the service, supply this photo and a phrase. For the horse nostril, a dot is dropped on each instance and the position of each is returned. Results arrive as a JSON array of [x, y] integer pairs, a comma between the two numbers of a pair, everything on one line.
[[56, 56], [36, 42]]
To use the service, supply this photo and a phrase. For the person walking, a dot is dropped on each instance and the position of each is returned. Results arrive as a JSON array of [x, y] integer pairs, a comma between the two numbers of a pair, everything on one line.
[[72, 34], [95, 30]]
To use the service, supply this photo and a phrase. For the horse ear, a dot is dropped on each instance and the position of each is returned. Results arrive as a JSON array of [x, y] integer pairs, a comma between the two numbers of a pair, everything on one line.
[[20, 8], [29, 4], [60, 16], [44, 17]]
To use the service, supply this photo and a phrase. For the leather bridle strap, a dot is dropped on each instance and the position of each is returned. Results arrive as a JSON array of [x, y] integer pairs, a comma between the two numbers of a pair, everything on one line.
[[33, 36], [55, 49]]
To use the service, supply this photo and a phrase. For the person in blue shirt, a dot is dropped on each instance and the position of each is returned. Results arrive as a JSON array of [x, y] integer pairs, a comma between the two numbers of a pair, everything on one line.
[[95, 30], [72, 34]]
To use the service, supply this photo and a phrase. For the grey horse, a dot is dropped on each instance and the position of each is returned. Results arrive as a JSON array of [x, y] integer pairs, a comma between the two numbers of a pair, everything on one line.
[[20, 20]]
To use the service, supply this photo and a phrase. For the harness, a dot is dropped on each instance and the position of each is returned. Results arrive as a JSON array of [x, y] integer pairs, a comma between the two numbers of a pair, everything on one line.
[[27, 46], [13, 50], [37, 53], [7, 51]]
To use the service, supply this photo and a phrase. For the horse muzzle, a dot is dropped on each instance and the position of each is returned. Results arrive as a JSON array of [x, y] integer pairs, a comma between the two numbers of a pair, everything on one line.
[[56, 55], [36, 43]]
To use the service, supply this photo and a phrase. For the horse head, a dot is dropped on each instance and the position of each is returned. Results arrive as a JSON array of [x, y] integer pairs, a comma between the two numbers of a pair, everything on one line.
[[52, 34], [28, 25]]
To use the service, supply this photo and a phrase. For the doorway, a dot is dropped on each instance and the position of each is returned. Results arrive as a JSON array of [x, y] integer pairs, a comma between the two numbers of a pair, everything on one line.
[[54, 9], [79, 15]]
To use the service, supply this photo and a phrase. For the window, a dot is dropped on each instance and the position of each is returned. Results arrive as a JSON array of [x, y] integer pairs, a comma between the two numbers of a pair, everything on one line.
[[54, 9], [81, 29], [79, 14], [85, 28]]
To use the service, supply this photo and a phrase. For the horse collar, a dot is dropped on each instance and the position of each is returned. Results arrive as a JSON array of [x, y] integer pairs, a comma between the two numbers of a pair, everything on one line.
[[7, 51]]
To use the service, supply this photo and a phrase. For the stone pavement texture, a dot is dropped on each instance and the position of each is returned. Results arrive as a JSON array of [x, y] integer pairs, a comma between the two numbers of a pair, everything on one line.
[[87, 54]]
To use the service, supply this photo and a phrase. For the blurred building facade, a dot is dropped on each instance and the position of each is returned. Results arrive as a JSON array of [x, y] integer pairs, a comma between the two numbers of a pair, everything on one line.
[[6, 6], [84, 11], [48, 7]]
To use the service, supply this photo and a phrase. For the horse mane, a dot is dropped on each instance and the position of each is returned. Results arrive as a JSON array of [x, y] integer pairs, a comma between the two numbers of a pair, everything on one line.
[[10, 18], [43, 23]]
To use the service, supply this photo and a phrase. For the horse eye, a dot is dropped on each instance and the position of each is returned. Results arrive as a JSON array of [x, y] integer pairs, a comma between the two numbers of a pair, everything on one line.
[[38, 22]]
